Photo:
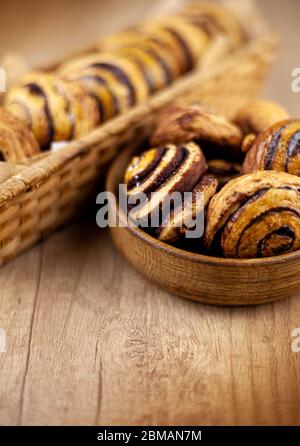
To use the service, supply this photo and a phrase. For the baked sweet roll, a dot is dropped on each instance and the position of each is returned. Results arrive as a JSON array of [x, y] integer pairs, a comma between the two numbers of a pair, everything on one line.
[[17, 143], [255, 215], [181, 218], [166, 170], [223, 170], [277, 148], [217, 136], [188, 41], [258, 115], [53, 109], [216, 20]]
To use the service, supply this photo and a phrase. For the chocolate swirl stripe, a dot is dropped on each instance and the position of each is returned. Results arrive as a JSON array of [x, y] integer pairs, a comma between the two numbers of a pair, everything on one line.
[[189, 63], [271, 149], [277, 148], [108, 100], [178, 170], [35, 89], [175, 225], [257, 218], [122, 77], [153, 52], [293, 149], [250, 223], [150, 64]]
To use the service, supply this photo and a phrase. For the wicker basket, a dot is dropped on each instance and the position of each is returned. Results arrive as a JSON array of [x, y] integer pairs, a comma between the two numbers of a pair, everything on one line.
[[54, 187]]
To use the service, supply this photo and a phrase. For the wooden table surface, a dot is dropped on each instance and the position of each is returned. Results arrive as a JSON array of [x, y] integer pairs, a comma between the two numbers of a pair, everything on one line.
[[90, 341]]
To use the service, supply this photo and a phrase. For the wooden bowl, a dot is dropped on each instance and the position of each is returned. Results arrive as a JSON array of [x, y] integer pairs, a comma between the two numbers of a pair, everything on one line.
[[202, 278]]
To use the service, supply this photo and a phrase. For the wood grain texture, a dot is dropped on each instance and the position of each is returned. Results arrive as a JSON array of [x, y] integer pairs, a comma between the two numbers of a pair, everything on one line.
[[90, 341]]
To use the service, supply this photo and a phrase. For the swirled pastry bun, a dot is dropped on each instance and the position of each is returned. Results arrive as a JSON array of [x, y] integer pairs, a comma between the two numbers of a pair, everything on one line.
[[175, 225], [215, 19], [192, 123], [53, 109], [277, 148], [17, 143], [255, 215], [163, 170]]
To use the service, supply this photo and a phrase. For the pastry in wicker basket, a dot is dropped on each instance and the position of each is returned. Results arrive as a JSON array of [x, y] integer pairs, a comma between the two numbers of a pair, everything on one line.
[[89, 89], [215, 134], [255, 215], [277, 148], [215, 19], [53, 109], [17, 143]]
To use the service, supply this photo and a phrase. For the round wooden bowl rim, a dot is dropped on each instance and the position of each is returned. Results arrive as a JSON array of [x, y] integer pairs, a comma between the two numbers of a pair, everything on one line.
[[187, 255]]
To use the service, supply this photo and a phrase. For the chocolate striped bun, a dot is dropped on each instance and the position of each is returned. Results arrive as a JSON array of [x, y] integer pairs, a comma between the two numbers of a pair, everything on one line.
[[17, 143], [277, 148], [175, 225], [123, 76], [255, 215], [189, 41], [215, 20], [53, 109], [163, 170], [215, 134]]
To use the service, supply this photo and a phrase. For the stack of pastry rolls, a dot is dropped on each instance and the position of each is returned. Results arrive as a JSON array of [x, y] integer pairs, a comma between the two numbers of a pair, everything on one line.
[[121, 72], [251, 202]]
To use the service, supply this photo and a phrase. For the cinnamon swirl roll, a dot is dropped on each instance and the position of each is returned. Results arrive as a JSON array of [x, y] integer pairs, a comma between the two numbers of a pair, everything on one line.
[[255, 215], [17, 143], [175, 225], [188, 41], [215, 19], [163, 170], [53, 109], [277, 148], [122, 75], [215, 134]]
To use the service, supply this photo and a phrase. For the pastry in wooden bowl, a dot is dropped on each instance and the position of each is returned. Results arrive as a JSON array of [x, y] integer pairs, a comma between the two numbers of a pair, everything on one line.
[[163, 170], [215, 134], [277, 148], [17, 143], [255, 215], [179, 221], [202, 277], [53, 109]]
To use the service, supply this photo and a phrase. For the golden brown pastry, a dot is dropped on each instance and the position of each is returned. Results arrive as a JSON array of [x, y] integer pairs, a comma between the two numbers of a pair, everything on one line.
[[215, 19], [192, 123], [189, 41], [53, 109], [258, 115], [17, 143], [255, 215], [175, 225], [277, 148], [163, 170], [223, 171]]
